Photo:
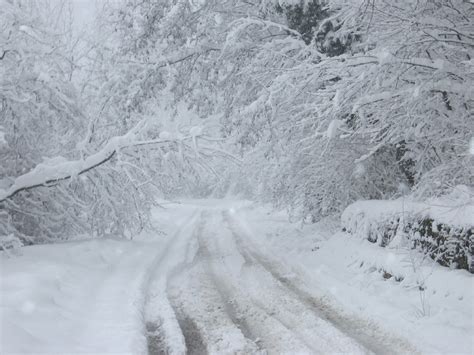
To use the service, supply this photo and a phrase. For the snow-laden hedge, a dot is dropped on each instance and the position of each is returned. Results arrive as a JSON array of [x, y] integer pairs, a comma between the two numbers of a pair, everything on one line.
[[443, 228]]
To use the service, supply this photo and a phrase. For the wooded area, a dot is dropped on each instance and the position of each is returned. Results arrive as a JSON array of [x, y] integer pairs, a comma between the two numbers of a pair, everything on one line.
[[310, 105]]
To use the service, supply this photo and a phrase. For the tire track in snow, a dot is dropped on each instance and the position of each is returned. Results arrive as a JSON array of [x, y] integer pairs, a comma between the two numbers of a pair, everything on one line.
[[215, 297], [194, 341], [195, 344], [207, 320], [269, 333], [363, 332], [227, 277], [156, 344], [158, 329], [256, 291], [221, 308], [225, 293]]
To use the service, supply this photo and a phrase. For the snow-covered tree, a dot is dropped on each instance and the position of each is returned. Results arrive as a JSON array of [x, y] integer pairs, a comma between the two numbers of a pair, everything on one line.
[[395, 111], [40, 114], [81, 162], [325, 102]]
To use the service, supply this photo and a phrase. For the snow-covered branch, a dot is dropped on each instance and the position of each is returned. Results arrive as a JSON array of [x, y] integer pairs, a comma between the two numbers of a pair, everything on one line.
[[60, 169]]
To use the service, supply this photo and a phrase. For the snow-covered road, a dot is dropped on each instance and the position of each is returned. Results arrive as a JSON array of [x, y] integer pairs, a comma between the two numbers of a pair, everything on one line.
[[230, 298], [225, 277]]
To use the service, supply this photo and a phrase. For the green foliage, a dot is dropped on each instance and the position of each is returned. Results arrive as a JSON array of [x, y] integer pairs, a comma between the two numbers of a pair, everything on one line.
[[310, 19], [448, 245], [304, 18]]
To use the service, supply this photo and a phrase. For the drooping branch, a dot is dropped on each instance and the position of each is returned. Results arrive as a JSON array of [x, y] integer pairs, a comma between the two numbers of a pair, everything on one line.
[[18, 186], [47, 174], [44, 174]]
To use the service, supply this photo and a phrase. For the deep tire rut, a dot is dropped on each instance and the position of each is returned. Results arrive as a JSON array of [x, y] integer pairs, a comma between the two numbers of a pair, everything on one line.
[[238, 316], [245, 313], [216, 301], [226, 295], [155, 340], [194, 340]]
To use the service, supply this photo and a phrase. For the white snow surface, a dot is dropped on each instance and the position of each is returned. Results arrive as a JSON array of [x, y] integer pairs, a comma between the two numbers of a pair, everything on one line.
[[238, 278], [81, 296], [456, 208], [195, 131], [333, 129]]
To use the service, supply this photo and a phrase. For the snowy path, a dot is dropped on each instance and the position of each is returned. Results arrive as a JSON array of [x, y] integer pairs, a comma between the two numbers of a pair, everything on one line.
[[224, 277], [229, 298]]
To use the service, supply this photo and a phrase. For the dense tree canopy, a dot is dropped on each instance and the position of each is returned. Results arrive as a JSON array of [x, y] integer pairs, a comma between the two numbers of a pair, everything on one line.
[[332, 101], [324, 102]]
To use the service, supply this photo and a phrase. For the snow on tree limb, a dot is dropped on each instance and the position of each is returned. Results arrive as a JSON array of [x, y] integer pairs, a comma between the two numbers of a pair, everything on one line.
[[44, 174]]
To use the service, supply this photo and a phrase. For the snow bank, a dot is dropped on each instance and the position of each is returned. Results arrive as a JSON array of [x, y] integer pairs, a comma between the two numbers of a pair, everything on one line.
[[455, 209], [88, 296], [443, 227], [76, 297]]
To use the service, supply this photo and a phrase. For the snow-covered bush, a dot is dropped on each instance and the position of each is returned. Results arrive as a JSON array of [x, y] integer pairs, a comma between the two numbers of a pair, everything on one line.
[[442, 228]]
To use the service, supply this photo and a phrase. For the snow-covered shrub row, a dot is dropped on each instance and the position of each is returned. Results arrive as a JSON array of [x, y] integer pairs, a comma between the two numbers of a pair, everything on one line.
[[442, 228]]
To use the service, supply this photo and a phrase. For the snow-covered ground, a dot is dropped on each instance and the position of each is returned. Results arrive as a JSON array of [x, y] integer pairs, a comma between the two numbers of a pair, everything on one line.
[[377, 284], [83, 296], [225, 277]]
